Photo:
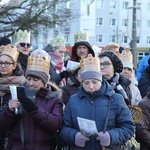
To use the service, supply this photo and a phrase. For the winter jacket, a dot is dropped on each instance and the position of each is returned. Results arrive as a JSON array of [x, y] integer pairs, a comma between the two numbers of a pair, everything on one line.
[[70, 88], [94, 107], [142, 65], [143, 131], [144, 82], [39, 126]]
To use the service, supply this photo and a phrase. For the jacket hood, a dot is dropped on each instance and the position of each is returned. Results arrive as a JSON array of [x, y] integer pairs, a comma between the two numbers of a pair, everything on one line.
[[48, 48], [51, 91], [74, 56]]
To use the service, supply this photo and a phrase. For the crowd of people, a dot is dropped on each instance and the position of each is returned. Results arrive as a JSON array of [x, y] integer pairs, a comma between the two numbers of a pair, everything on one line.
[[82, 107]]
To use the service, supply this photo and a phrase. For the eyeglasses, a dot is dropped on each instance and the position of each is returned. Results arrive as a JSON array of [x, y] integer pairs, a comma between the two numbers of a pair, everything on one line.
[[6, 64], [105, 64], [25, 44]]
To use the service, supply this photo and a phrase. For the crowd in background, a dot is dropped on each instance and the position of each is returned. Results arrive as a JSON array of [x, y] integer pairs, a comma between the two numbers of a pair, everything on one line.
[[99, 89]]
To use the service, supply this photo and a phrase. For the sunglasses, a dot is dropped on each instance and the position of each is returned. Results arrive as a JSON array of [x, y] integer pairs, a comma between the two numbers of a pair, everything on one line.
[[25, 44]]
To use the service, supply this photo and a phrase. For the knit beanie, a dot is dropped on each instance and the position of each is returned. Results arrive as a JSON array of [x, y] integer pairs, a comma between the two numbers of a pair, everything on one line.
[[41, 75], [117, 64]]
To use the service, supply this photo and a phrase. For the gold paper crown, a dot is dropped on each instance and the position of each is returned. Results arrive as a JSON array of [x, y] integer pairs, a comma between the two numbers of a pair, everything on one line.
[[126, 56], [11, 51], [39, 61], [57, 41], [22, 36], [90, 63], [80, 36]]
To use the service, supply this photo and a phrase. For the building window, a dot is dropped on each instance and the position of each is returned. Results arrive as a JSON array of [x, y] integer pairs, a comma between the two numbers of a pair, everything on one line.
[[112, 38], [99, 38], [99, 21], [138, 23], [148, 23], [148, 40], [125, 5], [124, 39], [138, 39], [125, 22], [113, 22], [68, 4], [100, 3], [148, 7], [113, 4]]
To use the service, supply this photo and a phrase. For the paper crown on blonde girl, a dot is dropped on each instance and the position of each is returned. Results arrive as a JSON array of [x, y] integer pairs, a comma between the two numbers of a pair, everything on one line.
[[11, 51], [22, 37], [90, 68], [39, 61], [127, 59], [57, 41], [81, 36]]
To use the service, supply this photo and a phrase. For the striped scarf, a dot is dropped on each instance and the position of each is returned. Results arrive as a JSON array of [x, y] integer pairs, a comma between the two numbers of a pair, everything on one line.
[[6, 82]]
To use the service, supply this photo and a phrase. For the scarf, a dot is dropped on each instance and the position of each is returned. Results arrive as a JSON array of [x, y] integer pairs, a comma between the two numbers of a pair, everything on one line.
[[57, 62], [6, 82]]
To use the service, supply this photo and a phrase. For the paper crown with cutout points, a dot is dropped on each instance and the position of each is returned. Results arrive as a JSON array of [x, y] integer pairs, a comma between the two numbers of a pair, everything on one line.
[[57, 41], [90, 68], [127, 59], [39, 61], [22, 37], [11, 51], [81, 36]]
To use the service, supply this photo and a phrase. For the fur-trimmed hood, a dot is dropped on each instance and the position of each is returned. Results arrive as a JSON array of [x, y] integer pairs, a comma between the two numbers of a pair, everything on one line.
[[51, 91]]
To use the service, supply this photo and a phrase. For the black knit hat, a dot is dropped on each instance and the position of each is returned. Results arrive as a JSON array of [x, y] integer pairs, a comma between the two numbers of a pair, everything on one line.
[[4, 41], [117, 64]]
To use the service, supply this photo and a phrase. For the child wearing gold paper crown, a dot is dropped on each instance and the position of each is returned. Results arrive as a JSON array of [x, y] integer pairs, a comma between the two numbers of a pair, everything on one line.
[[96, 117], [22, 41], [34, 127], [10, 74]]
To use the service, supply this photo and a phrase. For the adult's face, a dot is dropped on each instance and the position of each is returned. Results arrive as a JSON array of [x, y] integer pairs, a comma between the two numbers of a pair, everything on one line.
[[36, 82], [82, 50], [60, 51], [24, 48], [7, 66], [91, 85], [116, 51], [107, 68], [127, 72]]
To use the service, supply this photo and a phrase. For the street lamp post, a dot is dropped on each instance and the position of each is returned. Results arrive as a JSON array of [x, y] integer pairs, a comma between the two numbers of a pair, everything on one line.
[[133, 43]]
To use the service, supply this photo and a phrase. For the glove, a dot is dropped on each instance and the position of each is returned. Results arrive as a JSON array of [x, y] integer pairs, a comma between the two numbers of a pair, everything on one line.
[[65, 74], [80, 140], [28, 105], [104, 138]]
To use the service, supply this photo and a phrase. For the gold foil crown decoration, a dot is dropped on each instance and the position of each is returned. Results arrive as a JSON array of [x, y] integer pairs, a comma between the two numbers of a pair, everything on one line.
[[126, 55], [11, 51], [90, 63], [81, 36], [57, 41], [22, 37], [39, 61]]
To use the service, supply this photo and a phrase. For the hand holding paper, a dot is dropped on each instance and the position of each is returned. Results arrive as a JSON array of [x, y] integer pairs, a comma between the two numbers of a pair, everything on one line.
[[15, 103]]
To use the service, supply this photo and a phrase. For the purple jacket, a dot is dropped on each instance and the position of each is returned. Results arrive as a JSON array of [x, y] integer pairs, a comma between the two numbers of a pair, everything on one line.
[[39, 126]]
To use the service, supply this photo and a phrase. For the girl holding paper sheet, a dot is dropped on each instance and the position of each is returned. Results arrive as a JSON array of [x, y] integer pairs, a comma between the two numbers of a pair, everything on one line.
[[10, 74]]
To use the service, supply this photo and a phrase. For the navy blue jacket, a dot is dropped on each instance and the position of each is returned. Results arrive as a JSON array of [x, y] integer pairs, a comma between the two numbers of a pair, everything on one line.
[[94, 107]]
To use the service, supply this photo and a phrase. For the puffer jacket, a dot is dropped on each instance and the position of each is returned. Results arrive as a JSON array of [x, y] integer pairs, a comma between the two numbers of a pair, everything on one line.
[[94, 106], [39, 125]]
